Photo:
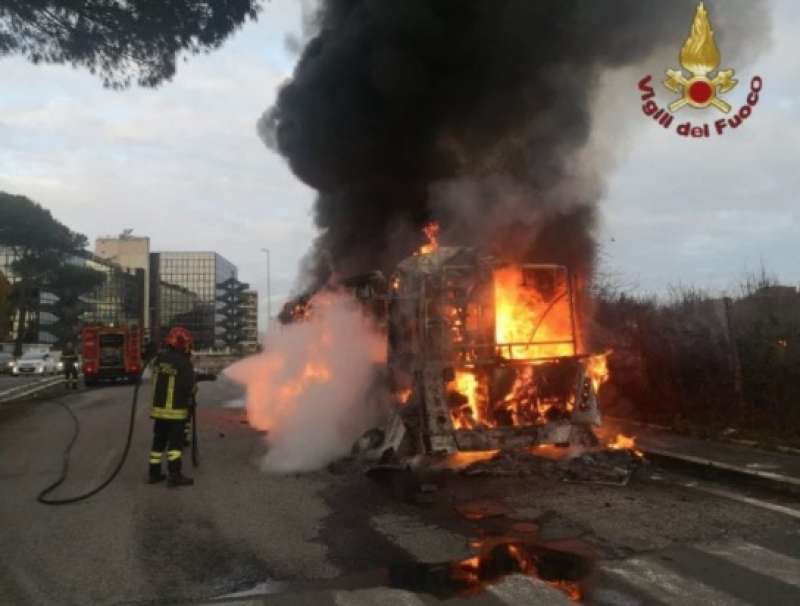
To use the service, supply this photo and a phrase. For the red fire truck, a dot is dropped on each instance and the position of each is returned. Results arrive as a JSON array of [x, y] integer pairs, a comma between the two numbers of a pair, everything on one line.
[[111, 353]]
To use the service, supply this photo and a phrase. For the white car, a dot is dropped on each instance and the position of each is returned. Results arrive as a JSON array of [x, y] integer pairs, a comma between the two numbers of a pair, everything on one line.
[[34, 363]]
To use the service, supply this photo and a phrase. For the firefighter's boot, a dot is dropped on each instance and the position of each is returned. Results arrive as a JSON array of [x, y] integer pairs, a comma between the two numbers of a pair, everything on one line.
[[176, 478], [156, 475]]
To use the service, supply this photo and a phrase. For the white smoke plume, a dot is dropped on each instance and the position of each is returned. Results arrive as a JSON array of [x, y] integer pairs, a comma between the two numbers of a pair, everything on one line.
[[313, 388]]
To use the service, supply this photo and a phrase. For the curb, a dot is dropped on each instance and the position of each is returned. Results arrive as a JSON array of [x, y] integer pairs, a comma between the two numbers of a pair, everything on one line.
[[739, 442], [775, 480]]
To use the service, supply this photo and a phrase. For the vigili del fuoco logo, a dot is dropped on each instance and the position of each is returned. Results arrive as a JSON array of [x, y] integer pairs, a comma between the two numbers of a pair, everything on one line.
[[701, 85]]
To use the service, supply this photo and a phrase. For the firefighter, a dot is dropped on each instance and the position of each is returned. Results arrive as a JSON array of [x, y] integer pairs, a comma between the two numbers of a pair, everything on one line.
[[173, 403], [70, 361]]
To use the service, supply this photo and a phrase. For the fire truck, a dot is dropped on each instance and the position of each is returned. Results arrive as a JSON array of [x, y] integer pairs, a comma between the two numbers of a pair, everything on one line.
[[110, 353]]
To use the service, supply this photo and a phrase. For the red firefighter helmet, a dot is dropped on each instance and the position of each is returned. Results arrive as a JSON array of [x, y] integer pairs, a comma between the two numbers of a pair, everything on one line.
[[180, 338]]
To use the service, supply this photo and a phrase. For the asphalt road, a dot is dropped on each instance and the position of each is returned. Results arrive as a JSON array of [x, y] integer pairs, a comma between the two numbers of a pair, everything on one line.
[[337, 537], [9, 382]]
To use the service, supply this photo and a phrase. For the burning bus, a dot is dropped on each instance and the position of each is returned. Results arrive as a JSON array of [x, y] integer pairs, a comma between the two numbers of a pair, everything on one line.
[[485, 355], [481, 354]]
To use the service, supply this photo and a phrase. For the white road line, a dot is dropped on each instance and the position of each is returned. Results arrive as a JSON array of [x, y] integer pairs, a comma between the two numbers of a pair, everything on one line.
[[29, 388], [427, 543], [789, 511], [379, 596], [667, 586], [759, 559], [519, 589], [605, 595]]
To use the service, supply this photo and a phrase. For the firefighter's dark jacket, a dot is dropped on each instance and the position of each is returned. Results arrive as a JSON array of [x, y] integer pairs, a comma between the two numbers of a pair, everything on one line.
[[69, 357], [173, 386]]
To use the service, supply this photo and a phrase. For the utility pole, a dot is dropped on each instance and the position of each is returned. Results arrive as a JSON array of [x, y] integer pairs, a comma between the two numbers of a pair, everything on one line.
[[269, 293]]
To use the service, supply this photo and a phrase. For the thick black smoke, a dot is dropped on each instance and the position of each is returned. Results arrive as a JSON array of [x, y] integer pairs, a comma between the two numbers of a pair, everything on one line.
[[467, 111]]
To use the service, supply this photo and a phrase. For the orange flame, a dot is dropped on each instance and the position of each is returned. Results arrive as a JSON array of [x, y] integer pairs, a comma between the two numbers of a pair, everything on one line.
[[537, 328], [311, 373], [534, 323], [461, 459], [431, 231], [467, 385], [403, 396], [570, 588], [623, 442], [598, 369], [498, 558]]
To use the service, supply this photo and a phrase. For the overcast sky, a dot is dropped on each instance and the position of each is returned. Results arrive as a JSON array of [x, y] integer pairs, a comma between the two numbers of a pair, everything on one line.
[[183, 164]]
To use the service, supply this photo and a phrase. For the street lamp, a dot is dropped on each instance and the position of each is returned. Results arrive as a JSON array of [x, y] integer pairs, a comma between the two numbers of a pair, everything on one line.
[[269, 293]]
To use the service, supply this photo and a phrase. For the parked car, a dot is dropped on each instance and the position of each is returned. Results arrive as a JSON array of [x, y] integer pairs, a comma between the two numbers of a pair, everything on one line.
[[34, 363], [6, 362]]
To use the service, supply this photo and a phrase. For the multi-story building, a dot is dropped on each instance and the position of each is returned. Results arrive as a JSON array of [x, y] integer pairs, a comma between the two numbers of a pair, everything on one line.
[[120, 297], [250, 306], [153, 290], [132, 252], [184, 292]]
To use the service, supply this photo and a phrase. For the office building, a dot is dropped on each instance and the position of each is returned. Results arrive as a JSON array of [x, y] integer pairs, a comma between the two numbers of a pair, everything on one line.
[[184, 292], [119, 299], [249, 302], [132, 252]]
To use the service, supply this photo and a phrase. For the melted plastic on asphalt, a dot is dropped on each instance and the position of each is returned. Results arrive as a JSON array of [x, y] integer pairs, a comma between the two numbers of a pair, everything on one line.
[[564, 566]]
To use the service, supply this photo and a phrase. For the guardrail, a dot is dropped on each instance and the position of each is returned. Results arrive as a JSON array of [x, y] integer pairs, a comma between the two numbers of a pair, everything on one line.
[[29, 389]]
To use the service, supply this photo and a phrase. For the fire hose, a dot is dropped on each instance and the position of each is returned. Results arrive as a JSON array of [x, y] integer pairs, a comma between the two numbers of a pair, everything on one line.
[[42, 496], [193, 421]]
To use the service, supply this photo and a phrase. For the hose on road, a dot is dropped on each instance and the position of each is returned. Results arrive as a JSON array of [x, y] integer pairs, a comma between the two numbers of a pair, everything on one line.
[[42, 497]]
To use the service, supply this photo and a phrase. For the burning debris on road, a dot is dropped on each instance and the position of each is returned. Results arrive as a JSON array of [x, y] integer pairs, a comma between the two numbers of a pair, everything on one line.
[[562, 569], [613, 463], [596, 466]]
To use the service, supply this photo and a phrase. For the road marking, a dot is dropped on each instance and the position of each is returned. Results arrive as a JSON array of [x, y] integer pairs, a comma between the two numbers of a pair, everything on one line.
[[21, 387], [29, 388], [426, 543], [660, 582], [766, 466], [611, 596], [379, 596], [264, 589], [519, 589], [725, 494], [758, 559]]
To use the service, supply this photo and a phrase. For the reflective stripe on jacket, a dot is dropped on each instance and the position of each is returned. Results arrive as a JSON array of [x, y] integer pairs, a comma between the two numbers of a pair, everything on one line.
[[173, 386]]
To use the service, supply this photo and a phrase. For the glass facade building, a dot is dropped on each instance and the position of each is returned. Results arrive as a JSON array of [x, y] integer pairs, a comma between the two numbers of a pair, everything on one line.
[[119, 300], [184, 292], [37, 319]]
